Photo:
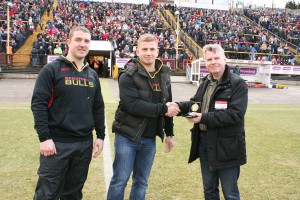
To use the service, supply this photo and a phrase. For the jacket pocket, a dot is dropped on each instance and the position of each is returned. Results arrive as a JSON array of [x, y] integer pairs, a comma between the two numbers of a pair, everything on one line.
[[227, 149], [82, 124], [124, 119], [121, 116]]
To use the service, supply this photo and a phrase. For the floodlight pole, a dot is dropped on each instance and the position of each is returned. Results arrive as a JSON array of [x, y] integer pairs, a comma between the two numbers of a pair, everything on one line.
[[177, 39], [8, 5], [7, 38]]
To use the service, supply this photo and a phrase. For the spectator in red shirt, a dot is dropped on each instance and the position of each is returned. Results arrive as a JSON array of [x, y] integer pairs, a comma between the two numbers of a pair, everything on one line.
[[104, 35], [81, 5]]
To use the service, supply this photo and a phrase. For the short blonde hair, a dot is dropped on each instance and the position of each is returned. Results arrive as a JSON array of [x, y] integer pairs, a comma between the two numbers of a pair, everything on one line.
[[212, 48], [147, 38], [78, 28]]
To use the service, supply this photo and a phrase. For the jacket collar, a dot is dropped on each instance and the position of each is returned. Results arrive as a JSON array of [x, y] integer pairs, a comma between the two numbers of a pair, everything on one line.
[[135, 63], [226, 76], [72, 64]]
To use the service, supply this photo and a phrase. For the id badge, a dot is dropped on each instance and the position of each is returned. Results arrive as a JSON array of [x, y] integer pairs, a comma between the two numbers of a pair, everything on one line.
[[221, 105]]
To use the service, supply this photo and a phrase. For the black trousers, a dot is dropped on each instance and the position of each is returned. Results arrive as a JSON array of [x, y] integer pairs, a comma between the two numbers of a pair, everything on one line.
[[63, 175]]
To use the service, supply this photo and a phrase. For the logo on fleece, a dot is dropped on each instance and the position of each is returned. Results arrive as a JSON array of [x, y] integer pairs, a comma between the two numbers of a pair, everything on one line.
[[156, 87], [64, 69], [78, 81]]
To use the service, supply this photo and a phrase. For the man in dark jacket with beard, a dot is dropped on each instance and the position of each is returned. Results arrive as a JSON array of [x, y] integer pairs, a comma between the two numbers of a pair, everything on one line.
[[142, 114], [218, 135]]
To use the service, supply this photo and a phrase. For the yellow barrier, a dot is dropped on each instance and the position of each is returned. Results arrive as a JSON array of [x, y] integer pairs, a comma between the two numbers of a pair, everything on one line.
[[115, 72]]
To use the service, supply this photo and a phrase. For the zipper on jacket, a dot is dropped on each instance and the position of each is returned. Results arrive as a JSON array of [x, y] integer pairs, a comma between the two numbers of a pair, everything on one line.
[[138, 133]]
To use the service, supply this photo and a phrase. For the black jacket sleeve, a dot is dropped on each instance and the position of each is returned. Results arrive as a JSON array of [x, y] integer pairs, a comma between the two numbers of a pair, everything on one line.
[[40, 100], [169, 125], [98, 112]]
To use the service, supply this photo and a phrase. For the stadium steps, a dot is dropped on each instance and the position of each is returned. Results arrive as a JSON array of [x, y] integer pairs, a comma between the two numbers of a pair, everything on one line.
[[187, 35], [22, 57], [172, 16], [168, 23]]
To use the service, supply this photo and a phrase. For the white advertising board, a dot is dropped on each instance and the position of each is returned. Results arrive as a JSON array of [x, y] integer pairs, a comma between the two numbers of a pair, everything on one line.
[[250, 71], [205, 4], [121, 1], [285, 70], [120, 62], [51, 58]]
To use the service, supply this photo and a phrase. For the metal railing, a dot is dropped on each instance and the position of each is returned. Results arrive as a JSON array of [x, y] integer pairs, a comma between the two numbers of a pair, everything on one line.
[[184, 37], [291, 46]]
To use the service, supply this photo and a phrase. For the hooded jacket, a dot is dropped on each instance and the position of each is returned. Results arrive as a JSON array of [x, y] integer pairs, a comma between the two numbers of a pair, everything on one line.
[[67, 103], [225, 124], [136, 107]]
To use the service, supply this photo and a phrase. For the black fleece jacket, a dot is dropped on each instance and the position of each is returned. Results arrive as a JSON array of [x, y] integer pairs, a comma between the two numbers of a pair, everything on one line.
[[67, 103]]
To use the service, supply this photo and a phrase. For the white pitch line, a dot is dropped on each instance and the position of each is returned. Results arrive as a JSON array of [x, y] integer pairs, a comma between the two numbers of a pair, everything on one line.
[[107, 158]]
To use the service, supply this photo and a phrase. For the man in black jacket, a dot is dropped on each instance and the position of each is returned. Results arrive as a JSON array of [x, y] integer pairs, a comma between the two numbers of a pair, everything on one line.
[[67, 106], [218, 135], [105, 68], [142, 114], [34, 56], [42, 55]]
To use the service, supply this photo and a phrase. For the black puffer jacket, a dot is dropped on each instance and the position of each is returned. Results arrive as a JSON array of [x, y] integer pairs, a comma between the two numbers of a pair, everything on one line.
[[136, 107], [225, 127]]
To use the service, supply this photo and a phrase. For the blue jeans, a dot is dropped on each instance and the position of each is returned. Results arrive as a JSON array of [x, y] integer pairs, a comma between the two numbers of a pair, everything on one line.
[[34, 60], [227, 176], [136, 157]]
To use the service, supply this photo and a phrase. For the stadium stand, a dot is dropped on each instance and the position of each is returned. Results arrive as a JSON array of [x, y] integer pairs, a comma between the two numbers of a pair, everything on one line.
[[39, 28], [241, 38]]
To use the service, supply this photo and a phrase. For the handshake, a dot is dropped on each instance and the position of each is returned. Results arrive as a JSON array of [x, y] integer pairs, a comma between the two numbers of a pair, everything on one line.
[[173, 109]]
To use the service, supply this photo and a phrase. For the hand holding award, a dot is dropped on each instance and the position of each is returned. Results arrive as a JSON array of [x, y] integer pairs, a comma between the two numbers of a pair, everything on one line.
[[194, 107]]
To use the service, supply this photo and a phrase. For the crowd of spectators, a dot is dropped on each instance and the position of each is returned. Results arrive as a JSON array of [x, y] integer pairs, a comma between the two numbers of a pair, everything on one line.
[[122, 24], [24, 17], [281, 23], [239, 38]]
